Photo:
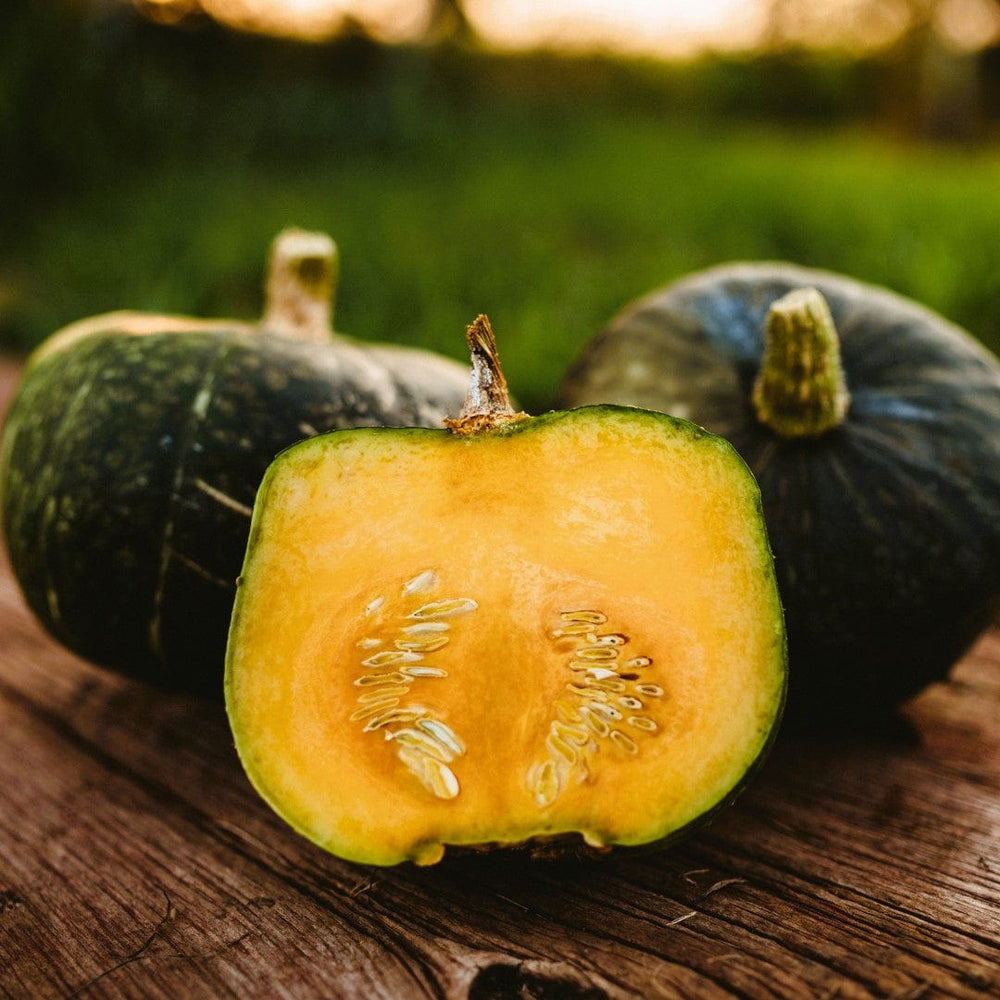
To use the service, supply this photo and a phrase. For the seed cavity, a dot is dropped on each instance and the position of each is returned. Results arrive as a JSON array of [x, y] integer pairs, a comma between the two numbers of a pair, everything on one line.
[[585, 717], [412, 625]]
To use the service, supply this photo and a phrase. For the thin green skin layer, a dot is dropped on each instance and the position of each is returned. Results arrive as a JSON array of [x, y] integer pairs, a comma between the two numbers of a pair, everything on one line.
[[560, 845]]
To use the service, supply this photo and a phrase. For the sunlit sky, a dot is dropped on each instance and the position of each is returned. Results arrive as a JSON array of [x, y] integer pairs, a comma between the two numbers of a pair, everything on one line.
[[653, 27]]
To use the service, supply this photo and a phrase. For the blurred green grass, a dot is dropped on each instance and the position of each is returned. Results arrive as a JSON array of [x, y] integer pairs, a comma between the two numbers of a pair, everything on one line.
[[547, 214]]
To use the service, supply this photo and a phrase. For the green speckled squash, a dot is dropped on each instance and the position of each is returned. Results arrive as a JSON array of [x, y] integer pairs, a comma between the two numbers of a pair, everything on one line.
[[135, 445], [873, 428]]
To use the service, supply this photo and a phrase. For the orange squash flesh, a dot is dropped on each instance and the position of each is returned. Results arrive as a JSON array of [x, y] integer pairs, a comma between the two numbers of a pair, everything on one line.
[[568, 624]]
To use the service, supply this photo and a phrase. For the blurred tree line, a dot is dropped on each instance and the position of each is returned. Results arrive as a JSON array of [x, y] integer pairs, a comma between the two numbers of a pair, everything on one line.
[[86, 85]]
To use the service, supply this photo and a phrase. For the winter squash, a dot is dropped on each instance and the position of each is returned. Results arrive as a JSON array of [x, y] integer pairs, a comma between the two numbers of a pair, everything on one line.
[[511, 630], [135, 445], [873, 428]]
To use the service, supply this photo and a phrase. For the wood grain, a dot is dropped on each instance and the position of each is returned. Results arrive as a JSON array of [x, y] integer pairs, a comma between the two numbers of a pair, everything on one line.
[[136, 862]]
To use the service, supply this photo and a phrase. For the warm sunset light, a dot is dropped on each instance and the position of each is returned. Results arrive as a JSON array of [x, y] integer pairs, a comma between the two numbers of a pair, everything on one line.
[[671, 27], [643, 27], [659, 27]]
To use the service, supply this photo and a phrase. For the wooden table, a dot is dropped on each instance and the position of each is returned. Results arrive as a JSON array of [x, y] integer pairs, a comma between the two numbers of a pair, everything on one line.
[[136, 861]]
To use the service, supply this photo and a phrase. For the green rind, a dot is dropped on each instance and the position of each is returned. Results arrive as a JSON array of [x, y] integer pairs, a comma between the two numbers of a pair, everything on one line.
[[568, 841]]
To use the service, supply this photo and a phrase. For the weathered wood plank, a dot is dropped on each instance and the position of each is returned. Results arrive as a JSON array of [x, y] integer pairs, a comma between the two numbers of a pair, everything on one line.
[[135, 861]]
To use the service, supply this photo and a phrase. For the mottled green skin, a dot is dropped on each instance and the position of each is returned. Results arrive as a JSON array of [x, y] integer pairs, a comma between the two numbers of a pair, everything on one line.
[[119, 548], [885, 530]]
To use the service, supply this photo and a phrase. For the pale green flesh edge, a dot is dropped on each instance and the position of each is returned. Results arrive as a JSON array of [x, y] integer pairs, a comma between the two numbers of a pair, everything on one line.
[[698, 814]]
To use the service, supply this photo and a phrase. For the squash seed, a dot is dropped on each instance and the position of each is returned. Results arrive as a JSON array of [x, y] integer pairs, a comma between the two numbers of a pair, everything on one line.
[[422, 627], [574, 735], [443, 609], [545, 782], [424, 671], [558, 747], [436, 777], [420, 740], [653, 690], [604, 709], [373, 606], [638, 662], [577, 628], [597, 653], [568, 714], [381, 693], [594, 617], [422, 644], [389, 657], [413, 713], [612, 684], [369, 643], [596, 724], [642, 722], [629, 702], [589, 693], [443, 734], [624, 742], [373, 708], [421, 583], [608, 639], [371, 680]]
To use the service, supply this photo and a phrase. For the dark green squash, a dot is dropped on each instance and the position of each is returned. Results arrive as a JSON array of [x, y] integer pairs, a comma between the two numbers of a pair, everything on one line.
[[874, 432], [135, 444]]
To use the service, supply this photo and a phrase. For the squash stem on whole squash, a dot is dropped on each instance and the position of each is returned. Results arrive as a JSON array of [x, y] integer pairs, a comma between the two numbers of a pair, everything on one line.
[[301, 286], [800, 390]]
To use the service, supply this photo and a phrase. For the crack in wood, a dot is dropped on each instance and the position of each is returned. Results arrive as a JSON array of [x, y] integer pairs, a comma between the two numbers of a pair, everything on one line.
[[169, 915]]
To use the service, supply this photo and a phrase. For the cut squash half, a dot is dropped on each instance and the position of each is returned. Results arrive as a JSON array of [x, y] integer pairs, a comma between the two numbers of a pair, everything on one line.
[[512, 630]]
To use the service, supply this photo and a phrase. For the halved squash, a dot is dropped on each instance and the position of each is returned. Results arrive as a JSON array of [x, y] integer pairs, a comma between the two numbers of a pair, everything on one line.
[[514, 629]]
